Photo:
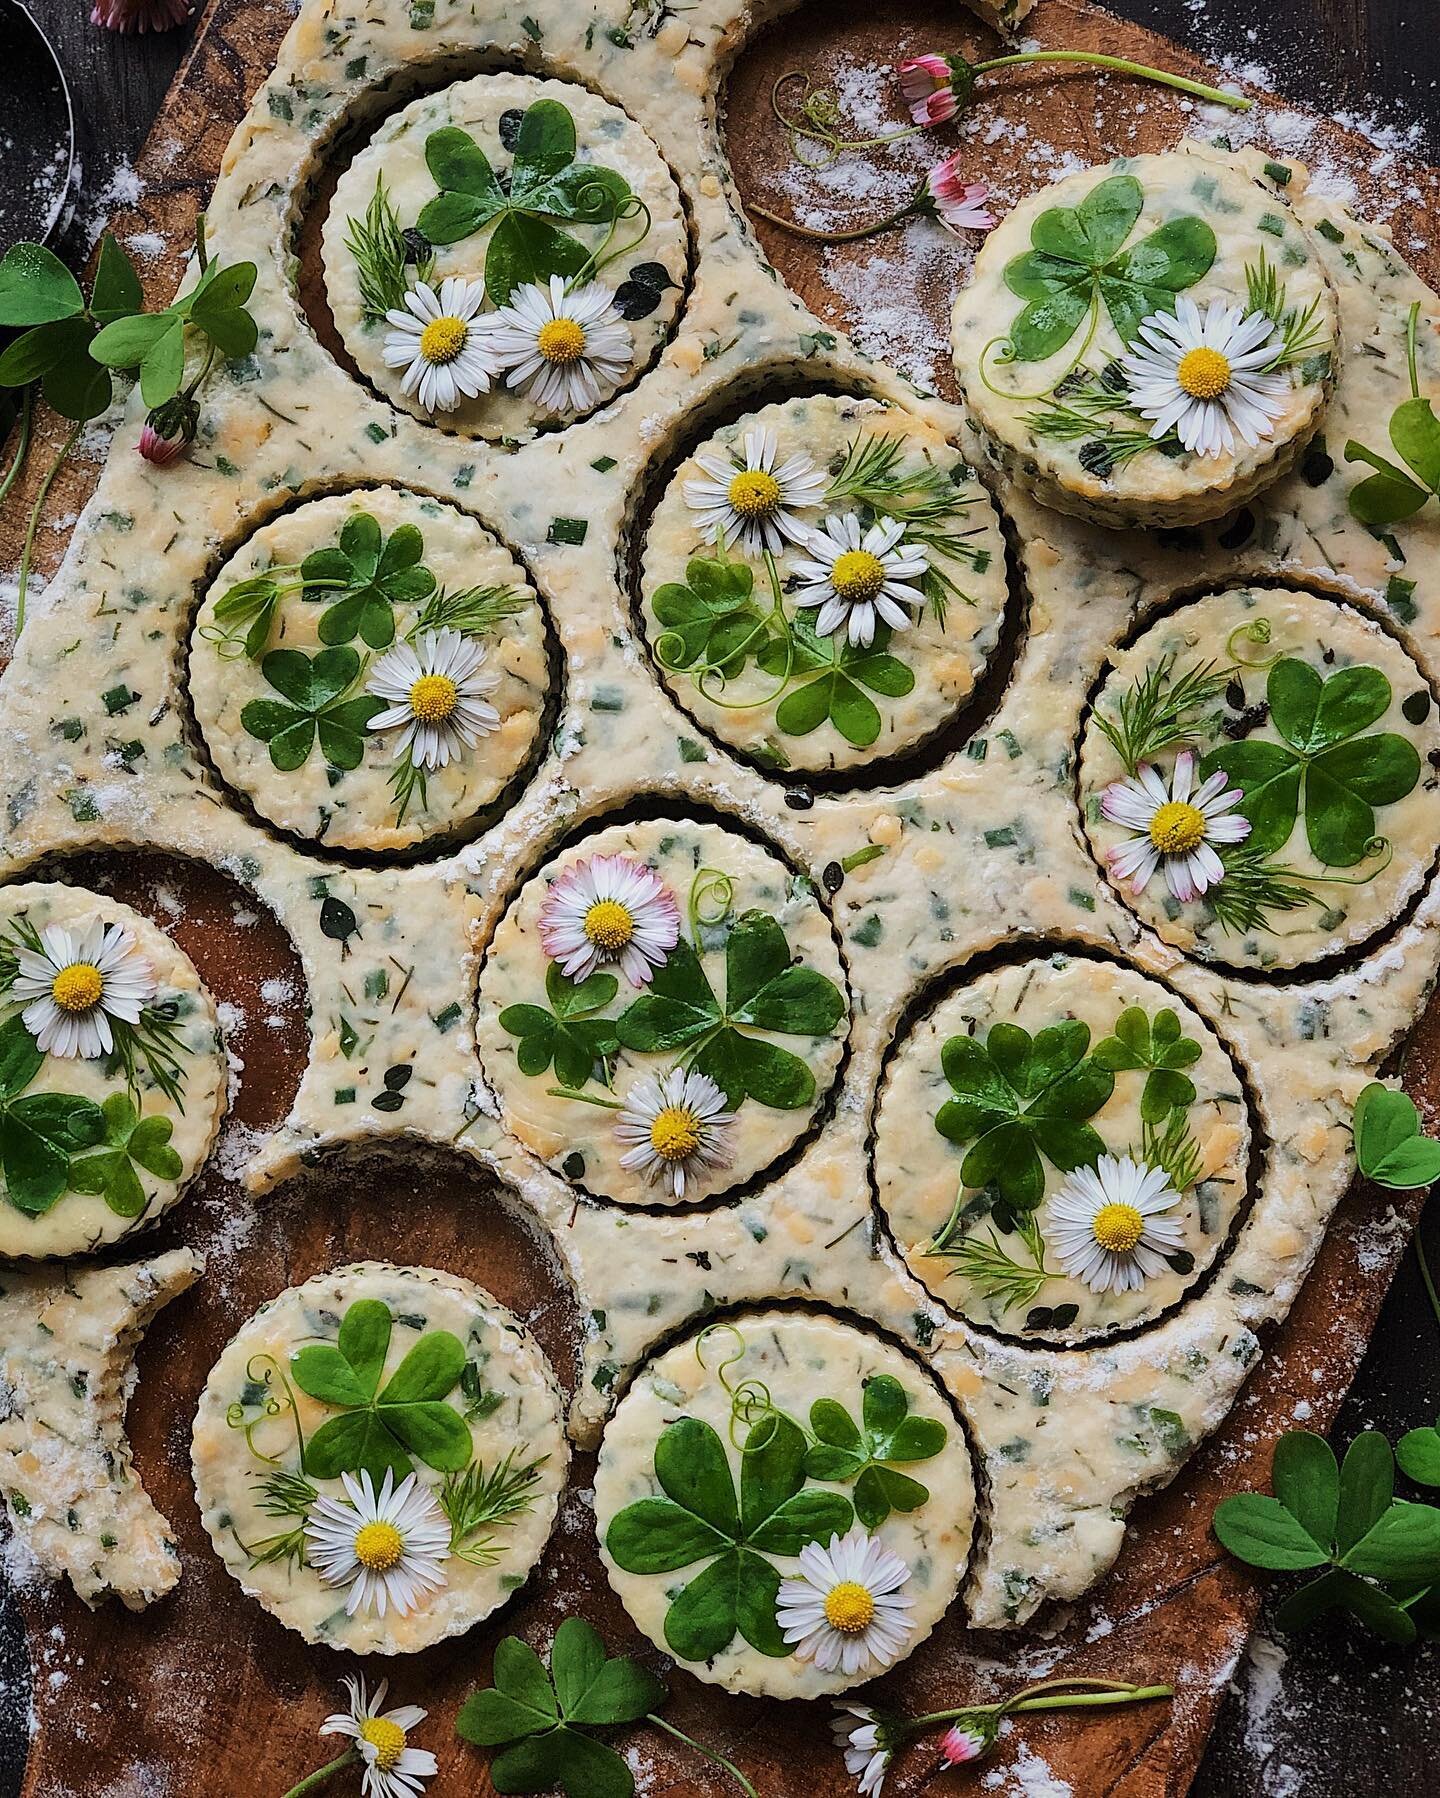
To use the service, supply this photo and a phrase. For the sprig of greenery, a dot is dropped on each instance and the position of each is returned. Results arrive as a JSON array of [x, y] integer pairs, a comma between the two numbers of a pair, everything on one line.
[[1253, 888], [381, 252], [1393, 494], [474, 611], [1172, 1148], [987, 1265], [155, 1043], [281, 1493], [1301, 334], [474, 1500], [1160, 709]]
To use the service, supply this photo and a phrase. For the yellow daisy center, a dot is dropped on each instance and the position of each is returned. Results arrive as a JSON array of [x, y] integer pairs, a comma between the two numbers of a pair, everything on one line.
[[387, 1739], [609, 925], [857, 575], [379, 1546], [433, 698], [754, 494], [675, 1133], [561, 340], [443, 339], [1203, 373], [78, 987], [1177, 828], [849, 1608], [1117, 1228]]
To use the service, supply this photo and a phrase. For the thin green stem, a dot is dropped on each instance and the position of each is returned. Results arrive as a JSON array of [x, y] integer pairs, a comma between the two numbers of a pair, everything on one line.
[[321, 1774], [22, 444], [1052, 1695], [1410, 328], [1237, 102], [566, 1092], [710, 1754], [1427, 1277], [860, 231], [34, 524], [1059, 1702]]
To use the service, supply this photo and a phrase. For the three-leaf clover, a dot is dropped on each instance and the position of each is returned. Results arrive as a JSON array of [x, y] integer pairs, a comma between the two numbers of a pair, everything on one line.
[[317, 705], [546, 182], [845, 669], [843, 1451], [1020, 1097], [1345, 1519], [763, 990], [709, 620], [1077, 260], [382, 1427], [1392, 494], [569, 1034], [1159, 1047], [539, 1717], [38, 1134], [1389, 1146], [128, 1139], [698, 1520], [365, 578], [38, 291], [154, 342], [1342, 774]]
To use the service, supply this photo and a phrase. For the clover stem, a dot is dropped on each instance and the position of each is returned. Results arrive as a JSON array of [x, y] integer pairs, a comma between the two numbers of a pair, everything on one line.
[[567, 1092], [1052, 1695], [321, 1774], [710, 1754], [1237, 102], [1411, 325], [22, 443], [852, 236], [1427, 1277], [34, 524]]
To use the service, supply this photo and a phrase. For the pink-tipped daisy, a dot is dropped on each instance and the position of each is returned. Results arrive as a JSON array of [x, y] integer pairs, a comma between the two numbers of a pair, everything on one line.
[[928, 86], [957, 203], [609, 908], [1175, 828]]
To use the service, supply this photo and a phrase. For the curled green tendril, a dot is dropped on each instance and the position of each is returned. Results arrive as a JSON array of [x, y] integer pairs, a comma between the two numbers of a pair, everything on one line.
[[1256, 631], [632, 207], [1373, 846], [272, 1405], [1004, 353], [816, 122], [712, 899]]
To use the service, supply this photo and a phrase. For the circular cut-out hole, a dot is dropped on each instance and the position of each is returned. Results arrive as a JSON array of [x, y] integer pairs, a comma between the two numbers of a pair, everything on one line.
[[506, 183], [371, 671], [662, 1011], [1325, 727], [1008, 1116]]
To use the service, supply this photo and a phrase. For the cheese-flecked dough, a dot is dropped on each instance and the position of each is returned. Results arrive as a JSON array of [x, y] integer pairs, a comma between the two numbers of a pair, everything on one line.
[[793, 1359], [245, 1429]]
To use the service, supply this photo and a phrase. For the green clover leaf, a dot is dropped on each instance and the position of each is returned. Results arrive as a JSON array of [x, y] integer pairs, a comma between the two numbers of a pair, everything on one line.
[[837, 692], [710, 621], [569, 1034], [38, 1136], [1340, 775], [843, 1451], [37, 290], [406, 1421], [154, 343], [128, 1139], [1159, 1047], [1019, 1098], [1389, 1146], [315, 690], [21, 1058], [1393, 494], [365, 578], [251, 602]]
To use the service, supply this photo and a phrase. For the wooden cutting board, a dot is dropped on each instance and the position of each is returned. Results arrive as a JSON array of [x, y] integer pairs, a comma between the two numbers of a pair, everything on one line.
[[205, 1692]]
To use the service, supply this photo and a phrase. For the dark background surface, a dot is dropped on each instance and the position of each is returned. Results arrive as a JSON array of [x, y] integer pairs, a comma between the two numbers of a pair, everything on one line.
[[1331, 1712]]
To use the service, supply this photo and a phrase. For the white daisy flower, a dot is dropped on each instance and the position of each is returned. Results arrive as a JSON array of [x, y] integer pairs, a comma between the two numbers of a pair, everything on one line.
[[609, 908], [862, 1733], [565, 349], [1174, 829], [392, 1768], [1207, 375], [844, 1610], [437, 340], [77, 982], [856, 578], [675, 1128], [388, 1547], [437, 697], [749, 500], [1106, 1226]]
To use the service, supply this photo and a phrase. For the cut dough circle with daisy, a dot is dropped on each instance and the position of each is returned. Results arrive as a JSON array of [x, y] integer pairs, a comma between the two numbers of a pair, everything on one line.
[[784, 1504], [662, 1011], [823, 583], [371, 670], [1148, 343], [113, 1072], [378, 1456], [1284, 807], [1061, 1148], [505, 253]]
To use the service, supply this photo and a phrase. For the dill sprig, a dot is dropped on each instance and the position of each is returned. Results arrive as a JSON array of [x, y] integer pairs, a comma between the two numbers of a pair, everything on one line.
[[155, 1042], [20, 933], [475, 611], [378, 245], [408, 778], [1301, 335], [986, 1263], [474, 1500], [282, 1494], [1161, 709], [1254, 887], [1170, 1147]]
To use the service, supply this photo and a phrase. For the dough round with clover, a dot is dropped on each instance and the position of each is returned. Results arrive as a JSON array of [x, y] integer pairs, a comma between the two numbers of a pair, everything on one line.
[[1109, 264], [765, 481], [486, 1409], [972, 1191], [98, 1146], [704, 1005], [883, 1431], [412, 608], [1327, 729], [547, 155]]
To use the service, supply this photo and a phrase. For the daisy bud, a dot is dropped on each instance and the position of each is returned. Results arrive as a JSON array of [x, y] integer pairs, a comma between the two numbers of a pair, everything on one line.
[[968, 1740], [935, 87], [957, 203], [169, 430], [139, 15]]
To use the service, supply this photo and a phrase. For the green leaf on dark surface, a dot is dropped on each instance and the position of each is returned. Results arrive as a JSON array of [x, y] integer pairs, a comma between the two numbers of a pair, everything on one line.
[[1418, 1454], [1264, 1533], [1389, 1146], [36, 287]]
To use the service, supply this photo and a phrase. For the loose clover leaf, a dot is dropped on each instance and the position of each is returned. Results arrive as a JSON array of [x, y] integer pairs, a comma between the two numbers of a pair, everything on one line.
[[568, 1034], [546, 182], [21, 1058], [365, 578], [836, 692], [1020, 1098], [1392, 494], [1388, 1144], [763, 990], [1160, 1047], [698, 1520], [382, 1430], [1076, 261], [1341, 774], [128, 1138], [38, 1135], [36, 289], [315, 690], [154, 343], [1419, 1456], [844, 1452], [710, 622]]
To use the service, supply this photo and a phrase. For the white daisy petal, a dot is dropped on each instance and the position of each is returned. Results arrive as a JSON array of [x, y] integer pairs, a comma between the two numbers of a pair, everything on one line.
[[74, 987], [674, 1127], [1173, 829], [1196, 374], [748, 502], [844, 1611], [565, 349], [388, 1548], [855, 578], [438, 697], [1107, 1227]]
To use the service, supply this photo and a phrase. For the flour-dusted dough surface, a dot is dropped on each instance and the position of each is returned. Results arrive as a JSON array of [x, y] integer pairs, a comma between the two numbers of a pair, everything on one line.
[[80, 1222], [798, 1358], [917, 1170], [509, 1362], [1351, 904], [356, 808], [946, 659], [1248, 213], [605, 135]]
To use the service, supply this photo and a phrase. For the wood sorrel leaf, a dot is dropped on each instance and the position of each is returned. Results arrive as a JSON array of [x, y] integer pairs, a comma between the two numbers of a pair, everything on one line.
[[1388, 1145], [1306, 1479], [1402, 1544], [1262, 1532], [1418, 1454], [36, 287], [1367, 1487]]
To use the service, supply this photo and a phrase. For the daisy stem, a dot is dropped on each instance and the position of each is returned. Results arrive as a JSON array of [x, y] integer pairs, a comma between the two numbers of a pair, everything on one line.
[[710, 1754], [34, 524], [22, 443], [1237, 102], [321, 1774], [1053, 1695], [860, 231], [573, 1092]]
